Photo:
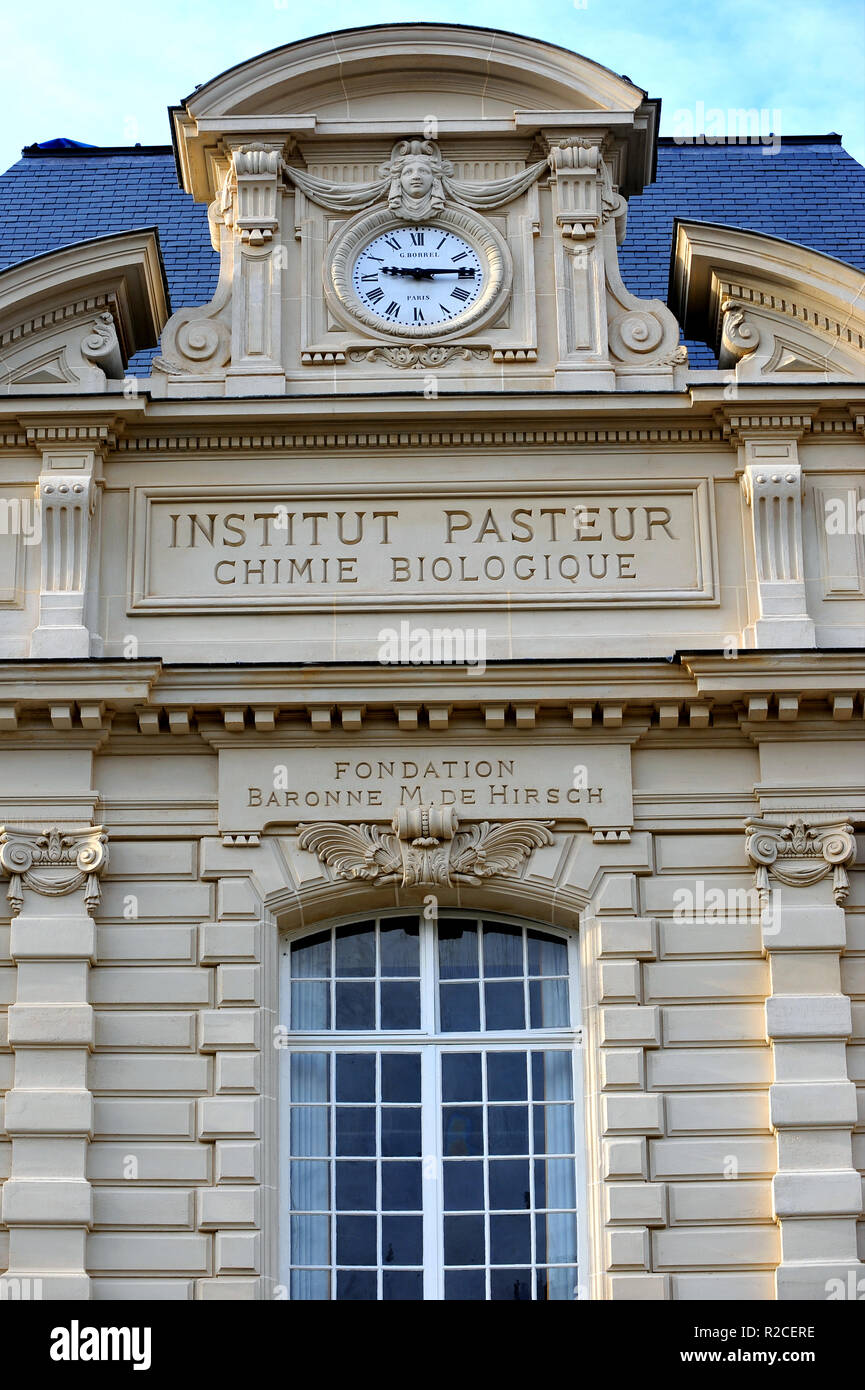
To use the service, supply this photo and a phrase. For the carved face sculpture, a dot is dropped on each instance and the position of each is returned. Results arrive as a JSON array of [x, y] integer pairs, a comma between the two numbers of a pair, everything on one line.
[[416, 175]]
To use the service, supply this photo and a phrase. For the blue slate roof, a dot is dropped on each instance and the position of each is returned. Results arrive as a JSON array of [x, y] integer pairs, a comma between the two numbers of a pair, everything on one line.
[[809, 190]]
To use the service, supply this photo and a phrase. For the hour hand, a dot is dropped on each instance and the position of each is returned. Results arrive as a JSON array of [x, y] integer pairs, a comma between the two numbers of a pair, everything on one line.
[[423, 272]]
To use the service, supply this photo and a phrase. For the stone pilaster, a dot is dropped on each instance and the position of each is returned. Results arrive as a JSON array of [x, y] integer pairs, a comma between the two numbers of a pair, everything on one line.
[[47, 1207], [772, 486], [256, 347], [67, 496], [817, 1194]]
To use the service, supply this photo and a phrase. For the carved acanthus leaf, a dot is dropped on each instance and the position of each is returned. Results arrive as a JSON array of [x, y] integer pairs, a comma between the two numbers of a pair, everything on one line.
[[354, 851], [486, 849], [425, 848], [416, 355]]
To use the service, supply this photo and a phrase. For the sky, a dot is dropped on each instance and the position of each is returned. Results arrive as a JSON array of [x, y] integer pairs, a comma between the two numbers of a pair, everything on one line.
[[104, 73]]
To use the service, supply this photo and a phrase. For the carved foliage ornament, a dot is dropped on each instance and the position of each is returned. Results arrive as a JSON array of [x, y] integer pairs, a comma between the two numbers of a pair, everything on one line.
[[424, 847], [798, 854], [53, 862]]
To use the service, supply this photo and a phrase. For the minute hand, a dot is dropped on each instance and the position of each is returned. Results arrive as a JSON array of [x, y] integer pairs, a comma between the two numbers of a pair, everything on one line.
[[422, 272]]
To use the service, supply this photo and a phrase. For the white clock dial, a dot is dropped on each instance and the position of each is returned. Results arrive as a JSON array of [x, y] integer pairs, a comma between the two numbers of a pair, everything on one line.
[[415, 277]]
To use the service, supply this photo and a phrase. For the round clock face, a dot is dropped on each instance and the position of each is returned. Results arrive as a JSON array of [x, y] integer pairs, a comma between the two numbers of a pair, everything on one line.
[[415, 277]]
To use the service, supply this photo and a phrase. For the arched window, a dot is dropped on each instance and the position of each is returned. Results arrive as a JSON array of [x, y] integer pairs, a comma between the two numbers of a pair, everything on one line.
[[430, 1110]]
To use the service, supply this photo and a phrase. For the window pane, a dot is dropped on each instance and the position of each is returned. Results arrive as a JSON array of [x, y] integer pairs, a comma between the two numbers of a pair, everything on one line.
[[465, 1285], [513, 1284], [503, 951], [552, 1076], [309, 1131], [400, 1132], [310, 1189], [310, 1006], [509, 1185], [555, 1183], [355, 950], [310, 1284], [355, 1131], [462, 1131], [548, 955], [400, 1004], [460, 1009], [458, 950], [356, 1240], [355, 1005], [401, 1187], [506, 1076], [464, 1240], [356, 1284], [548, 1001], [402, 1240], [310, 1240], [557, 1284], [400, 1076], [556, 1236], [402, 1284], [508, 1129], [310, 1076], [510, 1239], [554, 1129], [355, 1076], [461, 1076], [463, 1185], [310, 957], [505, 1005], [400, 946], [355, 1186]]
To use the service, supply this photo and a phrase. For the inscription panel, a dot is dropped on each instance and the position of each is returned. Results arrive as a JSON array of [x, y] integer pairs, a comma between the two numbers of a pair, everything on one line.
[[423, 545], [482, 781]]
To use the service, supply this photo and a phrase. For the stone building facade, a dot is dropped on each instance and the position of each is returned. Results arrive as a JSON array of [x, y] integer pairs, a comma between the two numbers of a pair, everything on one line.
[[430, 694]]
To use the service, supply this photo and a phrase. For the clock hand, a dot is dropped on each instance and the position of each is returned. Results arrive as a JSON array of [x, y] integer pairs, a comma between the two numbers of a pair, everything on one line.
[[428, 271]]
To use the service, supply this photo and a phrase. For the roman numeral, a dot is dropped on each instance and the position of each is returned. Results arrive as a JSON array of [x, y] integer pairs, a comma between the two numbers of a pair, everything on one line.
[[369, 277], [459, 294], [392, 310], [418, 316], [417, 238], [375, 295], [461, 257], [392, 241], [442, 242]]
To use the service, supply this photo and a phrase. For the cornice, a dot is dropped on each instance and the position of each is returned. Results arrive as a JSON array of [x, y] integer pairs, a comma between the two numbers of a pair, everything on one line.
[[757, 695]]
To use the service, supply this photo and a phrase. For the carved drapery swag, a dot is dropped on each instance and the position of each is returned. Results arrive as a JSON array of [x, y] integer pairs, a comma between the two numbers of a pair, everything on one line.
[[53, 862], [434, 172], [799, 854], [424, 847]]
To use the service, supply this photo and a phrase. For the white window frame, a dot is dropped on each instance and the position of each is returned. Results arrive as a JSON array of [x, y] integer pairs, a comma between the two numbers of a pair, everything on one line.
[[431, 1044]]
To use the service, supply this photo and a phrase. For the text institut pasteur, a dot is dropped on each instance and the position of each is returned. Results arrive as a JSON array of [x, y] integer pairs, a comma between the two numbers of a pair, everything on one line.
[[432, 597]]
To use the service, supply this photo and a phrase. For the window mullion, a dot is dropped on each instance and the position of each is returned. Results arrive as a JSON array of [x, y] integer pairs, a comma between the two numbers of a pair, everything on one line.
[[432, 1175]]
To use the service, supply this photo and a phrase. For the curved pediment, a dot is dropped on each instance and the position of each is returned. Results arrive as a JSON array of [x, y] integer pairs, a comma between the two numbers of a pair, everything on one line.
[[768, 307], [496, 72], [71, 319], [389, 79]]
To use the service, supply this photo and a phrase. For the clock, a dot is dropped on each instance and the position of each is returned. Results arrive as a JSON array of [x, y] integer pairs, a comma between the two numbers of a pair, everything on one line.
[[407, 280], [418, 275]]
